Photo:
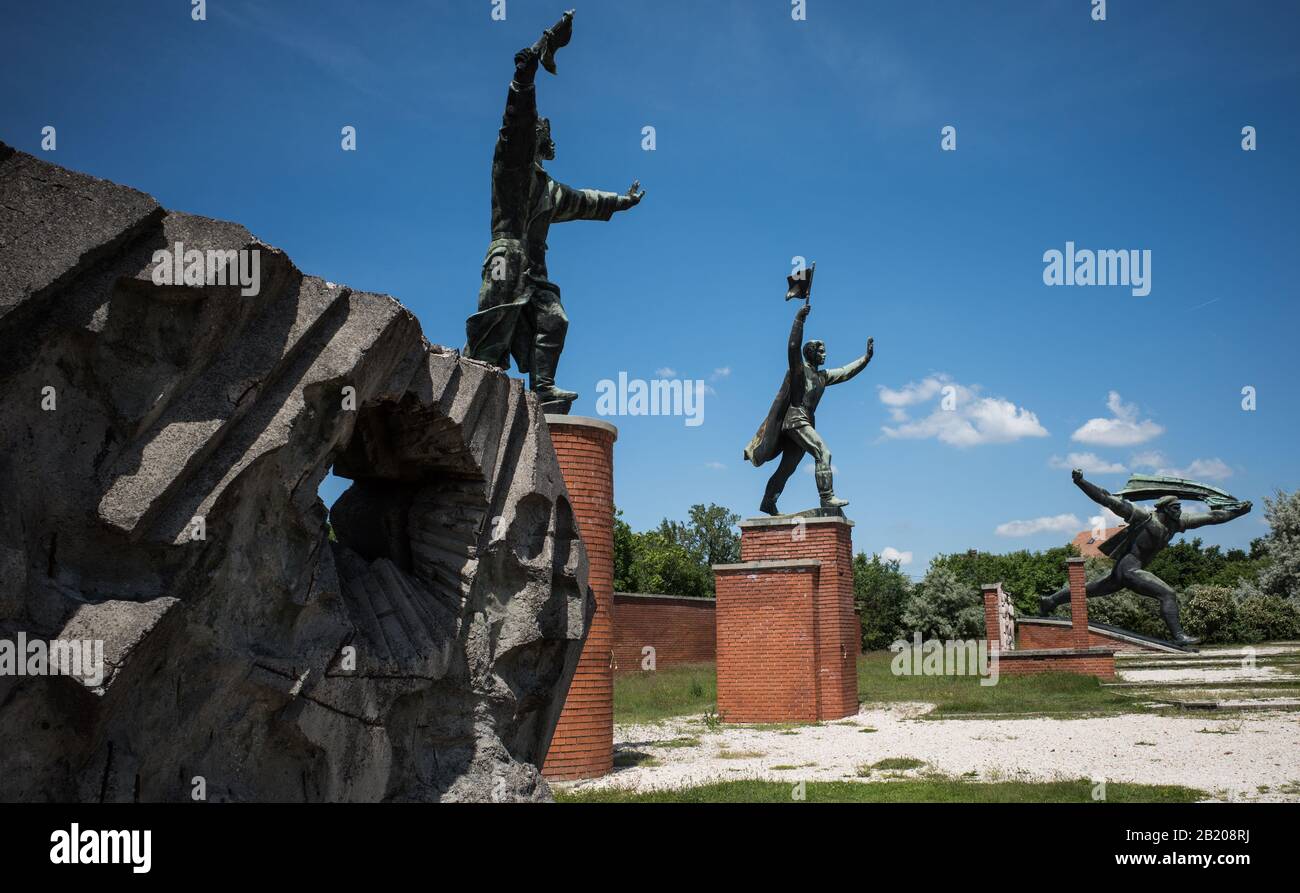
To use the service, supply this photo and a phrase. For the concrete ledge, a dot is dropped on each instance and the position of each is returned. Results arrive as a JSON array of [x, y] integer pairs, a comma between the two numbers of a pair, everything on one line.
[[768, 565], [581, 421], [683, 599], [1055, 652], [790, 521]]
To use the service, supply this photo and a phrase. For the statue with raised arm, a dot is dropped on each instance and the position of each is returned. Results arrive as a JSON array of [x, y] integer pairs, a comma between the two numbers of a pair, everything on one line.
[[788, 431], [519, 311], [1149, 530]]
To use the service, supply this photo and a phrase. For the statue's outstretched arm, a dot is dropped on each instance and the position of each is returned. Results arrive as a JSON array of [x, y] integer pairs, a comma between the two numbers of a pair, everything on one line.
[[844, 373], [1214, 516], [1121, 507], [591, 204]]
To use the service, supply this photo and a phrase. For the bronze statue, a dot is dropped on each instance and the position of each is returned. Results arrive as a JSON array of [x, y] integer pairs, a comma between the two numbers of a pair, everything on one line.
[[1147, 534], [789, 429], [519, 310]]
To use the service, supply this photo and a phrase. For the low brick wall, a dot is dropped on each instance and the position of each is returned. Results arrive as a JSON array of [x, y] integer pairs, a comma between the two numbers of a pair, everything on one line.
[[1033, 633], [1099, 662], [680, 630]]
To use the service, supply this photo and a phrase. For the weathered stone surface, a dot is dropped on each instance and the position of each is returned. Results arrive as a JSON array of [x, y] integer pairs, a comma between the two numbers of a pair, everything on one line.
[[423, 655]]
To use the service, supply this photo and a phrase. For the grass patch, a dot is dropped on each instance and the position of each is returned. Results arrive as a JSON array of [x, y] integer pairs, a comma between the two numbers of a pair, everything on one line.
[[866, 729], [675, 691], [925, 790], [679, 742], [1046, 693], [898, 763], [725, 754]]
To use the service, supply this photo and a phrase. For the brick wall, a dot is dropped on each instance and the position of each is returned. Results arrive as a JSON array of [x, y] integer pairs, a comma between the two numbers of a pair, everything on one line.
[[1098, 662], [583, 743], [792, 574], [1030, 634], [681, 630]]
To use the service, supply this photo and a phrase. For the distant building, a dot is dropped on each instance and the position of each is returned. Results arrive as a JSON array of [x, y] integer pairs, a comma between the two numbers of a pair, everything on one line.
[[1090, 546]]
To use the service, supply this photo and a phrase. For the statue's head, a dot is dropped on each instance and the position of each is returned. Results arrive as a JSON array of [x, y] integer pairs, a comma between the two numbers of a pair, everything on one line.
[[545, 145], [1169, 507], [815, 352]]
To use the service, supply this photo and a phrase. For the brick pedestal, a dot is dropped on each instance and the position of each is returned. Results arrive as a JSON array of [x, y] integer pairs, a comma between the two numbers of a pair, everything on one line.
[[786, 631], [583, 743]]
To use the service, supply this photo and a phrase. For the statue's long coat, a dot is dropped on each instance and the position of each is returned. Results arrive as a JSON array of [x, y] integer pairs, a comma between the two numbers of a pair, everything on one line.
[[525, 202]]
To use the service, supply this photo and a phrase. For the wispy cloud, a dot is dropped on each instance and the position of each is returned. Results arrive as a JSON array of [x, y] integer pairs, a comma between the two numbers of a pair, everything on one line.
[[1124, 428], [1089, 463], [1046, 524]]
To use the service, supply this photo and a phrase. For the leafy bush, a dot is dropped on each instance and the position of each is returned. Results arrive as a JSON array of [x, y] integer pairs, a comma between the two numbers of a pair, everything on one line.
[[944, 607], [1262, 616], [1209, 612]]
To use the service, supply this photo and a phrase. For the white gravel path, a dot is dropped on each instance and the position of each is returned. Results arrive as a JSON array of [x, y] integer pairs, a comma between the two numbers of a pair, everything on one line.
[[1233, 758]]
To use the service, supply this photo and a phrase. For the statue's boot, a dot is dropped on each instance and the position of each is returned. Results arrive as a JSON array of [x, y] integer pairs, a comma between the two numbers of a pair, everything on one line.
[[542, 378], [768, 506], [1169, 611], [827, 492]]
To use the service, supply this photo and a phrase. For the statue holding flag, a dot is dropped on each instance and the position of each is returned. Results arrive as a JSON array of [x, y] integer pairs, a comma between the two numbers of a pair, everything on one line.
[[789, 430], [519, 311], [1145, 537]]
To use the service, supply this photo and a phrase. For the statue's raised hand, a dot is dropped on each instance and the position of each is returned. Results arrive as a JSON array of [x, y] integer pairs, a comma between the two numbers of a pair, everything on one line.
[[633, 196], [803, 312], [871, 347], [1076, 475]]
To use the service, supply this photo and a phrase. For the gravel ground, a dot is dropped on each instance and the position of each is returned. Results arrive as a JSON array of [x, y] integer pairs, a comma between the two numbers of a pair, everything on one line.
[[1248, 756]]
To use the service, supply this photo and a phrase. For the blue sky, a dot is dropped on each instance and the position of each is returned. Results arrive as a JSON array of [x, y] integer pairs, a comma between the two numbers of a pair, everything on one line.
[[775, 138]]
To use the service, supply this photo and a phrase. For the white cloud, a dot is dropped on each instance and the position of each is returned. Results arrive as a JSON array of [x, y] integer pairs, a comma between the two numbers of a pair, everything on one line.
[[913, 392], [1198, 469], [1202, 470], [1105, 520], [1123, 429], [1149, 459], [1048, 524], [721, 373], [715, 466], [960, 418], [1089, 463], [665, 372], [889, 553]]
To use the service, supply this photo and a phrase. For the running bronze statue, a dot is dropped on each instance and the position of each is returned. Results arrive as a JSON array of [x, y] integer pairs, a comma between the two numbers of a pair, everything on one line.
[[789, 430], [519, 311], [1149, 530]]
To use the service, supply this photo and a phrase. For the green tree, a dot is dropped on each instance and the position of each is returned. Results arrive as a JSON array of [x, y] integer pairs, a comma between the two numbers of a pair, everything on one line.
[[880, 593], [944, 606], [1280, 574], [676, 558]]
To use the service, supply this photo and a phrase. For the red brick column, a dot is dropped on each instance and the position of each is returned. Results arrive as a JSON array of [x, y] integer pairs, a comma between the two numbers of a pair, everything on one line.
[[583, 743], [1078, 603], [992, 622], [794, 572]]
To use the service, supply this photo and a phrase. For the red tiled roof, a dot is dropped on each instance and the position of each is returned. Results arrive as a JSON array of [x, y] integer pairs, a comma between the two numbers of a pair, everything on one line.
[[1089, 546]]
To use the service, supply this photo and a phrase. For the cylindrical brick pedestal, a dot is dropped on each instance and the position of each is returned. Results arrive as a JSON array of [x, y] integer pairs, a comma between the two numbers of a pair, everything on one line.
[[583, 743]]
